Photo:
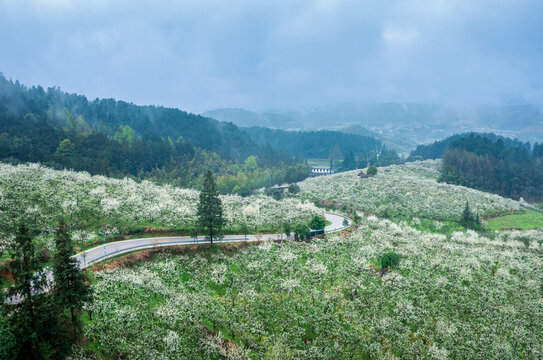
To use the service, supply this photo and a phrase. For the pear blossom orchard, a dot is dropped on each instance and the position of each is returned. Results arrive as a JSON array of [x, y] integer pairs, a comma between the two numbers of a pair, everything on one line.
[[464, 296], [408, 190], [40, 196]]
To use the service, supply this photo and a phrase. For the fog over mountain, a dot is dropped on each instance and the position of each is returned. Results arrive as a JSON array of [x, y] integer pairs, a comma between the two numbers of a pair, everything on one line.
[[262, 55], [401, 125]]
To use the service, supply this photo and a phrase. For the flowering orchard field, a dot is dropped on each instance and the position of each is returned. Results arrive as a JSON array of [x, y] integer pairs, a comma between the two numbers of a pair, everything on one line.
[[42, 195], [406, 190], [451, 297]]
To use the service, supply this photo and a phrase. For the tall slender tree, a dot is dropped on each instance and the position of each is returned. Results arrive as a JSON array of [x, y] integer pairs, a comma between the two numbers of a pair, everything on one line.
[[70, 290], [32, 319], [210, 211], [470, 220]]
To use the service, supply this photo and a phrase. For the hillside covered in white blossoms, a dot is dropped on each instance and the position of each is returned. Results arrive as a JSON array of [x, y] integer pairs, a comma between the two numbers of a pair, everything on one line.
[[463, 296], [458, 295], [408, 190], [41, 196]]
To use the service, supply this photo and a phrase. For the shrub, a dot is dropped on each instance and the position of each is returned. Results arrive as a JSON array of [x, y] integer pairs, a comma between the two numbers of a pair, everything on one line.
[[317, 223], [302, 231], [287, 228], [389, 260], [293, 189], [372, 170], [8, 341]]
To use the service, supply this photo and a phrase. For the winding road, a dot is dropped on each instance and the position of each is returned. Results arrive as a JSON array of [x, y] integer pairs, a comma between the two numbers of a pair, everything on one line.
[[103, 252]]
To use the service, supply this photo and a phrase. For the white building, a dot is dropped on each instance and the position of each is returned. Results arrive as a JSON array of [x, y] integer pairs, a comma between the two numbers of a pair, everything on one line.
[[321, 170]]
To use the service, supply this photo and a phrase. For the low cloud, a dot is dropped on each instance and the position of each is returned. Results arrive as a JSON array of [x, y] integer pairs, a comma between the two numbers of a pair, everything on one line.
[[199, 55]]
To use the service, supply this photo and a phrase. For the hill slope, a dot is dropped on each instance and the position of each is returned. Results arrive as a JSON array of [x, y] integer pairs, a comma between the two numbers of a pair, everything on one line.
[[315, 144], [458, 297], [39, 196], [406, 191], [107, 115]]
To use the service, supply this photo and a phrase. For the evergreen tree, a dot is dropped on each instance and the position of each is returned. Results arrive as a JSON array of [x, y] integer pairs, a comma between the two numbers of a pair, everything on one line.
[[335, 156], [210, 211], [349, 162], [470, 220], [70, 290], [33, 321], [467, 217]]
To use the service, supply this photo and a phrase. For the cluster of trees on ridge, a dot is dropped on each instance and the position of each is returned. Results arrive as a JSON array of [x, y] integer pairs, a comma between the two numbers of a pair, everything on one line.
[[345, 151], [436, 150], [480, 163], [314, 144], [490, 163]]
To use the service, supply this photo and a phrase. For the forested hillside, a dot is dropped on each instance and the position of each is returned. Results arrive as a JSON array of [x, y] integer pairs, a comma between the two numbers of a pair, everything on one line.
[[318, 144], [436, 150], [116, 138], [107, 115], [495, 166]]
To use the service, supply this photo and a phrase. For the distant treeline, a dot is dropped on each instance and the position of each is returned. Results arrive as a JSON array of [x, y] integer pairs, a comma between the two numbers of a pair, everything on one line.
[[509, 168], [436, 150], [115, 138], [323, 144]]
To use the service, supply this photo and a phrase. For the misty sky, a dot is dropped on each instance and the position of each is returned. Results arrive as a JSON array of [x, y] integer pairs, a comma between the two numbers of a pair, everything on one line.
[[199, 55]]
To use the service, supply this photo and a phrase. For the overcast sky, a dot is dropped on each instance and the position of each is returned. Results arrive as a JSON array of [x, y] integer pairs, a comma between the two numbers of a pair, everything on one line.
[[199, 55]]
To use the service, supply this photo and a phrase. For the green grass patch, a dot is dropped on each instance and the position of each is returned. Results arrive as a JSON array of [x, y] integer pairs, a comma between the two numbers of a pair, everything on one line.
[[525, 220], [327, 223]]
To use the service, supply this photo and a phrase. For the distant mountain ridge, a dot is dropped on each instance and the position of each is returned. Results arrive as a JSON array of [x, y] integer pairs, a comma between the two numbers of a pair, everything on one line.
[[246, 118], [404, 126]]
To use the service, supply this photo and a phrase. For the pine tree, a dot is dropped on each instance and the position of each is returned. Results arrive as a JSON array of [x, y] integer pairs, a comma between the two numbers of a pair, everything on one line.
[[210, 211], [70, 290], [33, 321], [467, 217], [470, 220]]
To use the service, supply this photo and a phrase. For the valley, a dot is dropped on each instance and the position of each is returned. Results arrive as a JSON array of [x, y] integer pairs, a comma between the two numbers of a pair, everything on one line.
[[271, 180]]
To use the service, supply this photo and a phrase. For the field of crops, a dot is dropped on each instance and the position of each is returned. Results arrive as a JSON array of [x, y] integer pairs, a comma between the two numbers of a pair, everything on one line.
[[458, 297]]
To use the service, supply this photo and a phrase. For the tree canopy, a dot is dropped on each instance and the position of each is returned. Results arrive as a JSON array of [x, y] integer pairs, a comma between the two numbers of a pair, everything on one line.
[[508, 169]]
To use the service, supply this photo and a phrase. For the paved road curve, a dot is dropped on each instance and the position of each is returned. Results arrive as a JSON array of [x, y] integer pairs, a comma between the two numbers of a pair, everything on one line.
[[100, 253]]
